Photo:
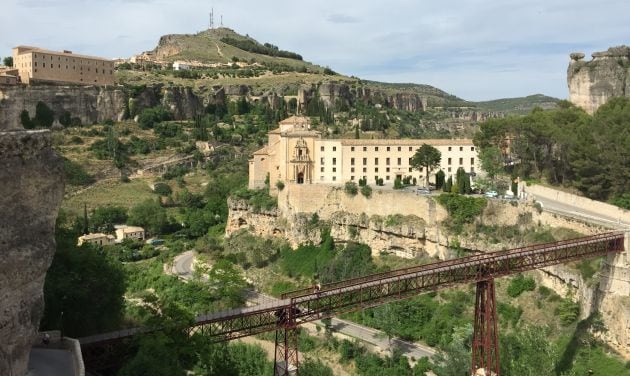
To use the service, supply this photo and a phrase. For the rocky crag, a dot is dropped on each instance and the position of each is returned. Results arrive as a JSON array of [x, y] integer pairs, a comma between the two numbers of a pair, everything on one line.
[[592, 83], [410, 226], [30, 195]]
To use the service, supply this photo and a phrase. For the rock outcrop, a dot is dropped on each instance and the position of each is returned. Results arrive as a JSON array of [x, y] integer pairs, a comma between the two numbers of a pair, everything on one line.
[[30, 195], [89, 103], [593, 83]]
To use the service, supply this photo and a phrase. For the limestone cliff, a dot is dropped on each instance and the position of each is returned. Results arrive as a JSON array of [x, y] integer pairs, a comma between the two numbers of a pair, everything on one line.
[[593, 83], [89, 103], [30, 195]]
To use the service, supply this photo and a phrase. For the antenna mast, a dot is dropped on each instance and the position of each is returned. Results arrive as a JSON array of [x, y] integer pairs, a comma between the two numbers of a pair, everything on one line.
[[211, 18]]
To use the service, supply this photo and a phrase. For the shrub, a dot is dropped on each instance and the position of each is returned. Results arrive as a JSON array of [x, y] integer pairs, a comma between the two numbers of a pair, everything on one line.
[[380, 182], [366, 191], [461, 209], [398, 184], [351, 188], [568, 311], [75, 174], [44, 116], [26, 121], [280, 185], [520, 284], [162, 189], [150, 116], [76, 140]]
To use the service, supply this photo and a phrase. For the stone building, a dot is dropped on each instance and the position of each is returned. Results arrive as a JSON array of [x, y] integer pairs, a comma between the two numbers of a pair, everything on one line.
[[39, 65], [129, 232], [297, 154], [96, 238]]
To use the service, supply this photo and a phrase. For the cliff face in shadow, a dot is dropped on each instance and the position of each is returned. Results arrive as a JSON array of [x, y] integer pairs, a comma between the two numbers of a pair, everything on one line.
[[593, 83], [31, 189]]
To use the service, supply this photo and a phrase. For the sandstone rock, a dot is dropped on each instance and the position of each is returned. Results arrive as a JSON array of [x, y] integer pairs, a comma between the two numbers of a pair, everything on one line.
[[593, 83], [30, 195]]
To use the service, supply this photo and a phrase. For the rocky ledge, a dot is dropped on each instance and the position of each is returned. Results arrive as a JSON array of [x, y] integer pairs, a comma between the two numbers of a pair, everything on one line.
[[31, 189]]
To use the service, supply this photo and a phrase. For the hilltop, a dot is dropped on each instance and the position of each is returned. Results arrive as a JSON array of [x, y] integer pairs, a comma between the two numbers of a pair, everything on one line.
[[519, 105]]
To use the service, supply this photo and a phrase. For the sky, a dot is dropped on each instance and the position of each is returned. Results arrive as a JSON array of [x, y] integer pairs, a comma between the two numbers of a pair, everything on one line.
[[475, 49]]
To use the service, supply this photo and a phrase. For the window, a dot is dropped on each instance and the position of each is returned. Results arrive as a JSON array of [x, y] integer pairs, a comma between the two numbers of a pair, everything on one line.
[[352, 148], [388, 148], [376, 148], [364, 169], [321, 169], [334, 169], [352, 169], [376, 178], [375, 161], [461, 161], [364, 148], [472, 169], [472, 148], [387, 177], [351, 161], [334, 161], [334, 178], [387, 161], [321, 148], [409, 161], [399, 148], [376, 169], [44, 65], [410, 169], [461, 148], [449, 169], [449, 161], [399, 161], [387, 169], [364, 161], [321, 161], [334, 148], [352, 177], [472, 161], [410, 148], [449, 148]]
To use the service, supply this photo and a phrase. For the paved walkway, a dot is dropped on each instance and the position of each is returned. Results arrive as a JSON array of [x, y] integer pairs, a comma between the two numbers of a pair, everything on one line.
[[50, 362]]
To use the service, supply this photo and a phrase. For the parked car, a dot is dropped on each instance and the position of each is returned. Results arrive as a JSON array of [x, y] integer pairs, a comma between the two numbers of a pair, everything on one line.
[[491, 194]]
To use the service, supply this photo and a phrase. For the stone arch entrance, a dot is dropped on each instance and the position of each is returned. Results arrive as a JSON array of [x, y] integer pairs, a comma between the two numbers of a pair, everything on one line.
[[300, 178]]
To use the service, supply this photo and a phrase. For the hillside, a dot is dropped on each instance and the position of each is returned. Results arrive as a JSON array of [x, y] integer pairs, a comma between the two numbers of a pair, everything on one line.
[[210, 46], [520, 105]]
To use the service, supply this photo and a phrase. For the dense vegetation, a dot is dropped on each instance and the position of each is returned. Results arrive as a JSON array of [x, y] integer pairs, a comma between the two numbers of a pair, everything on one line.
[[568, 147], [263, 49]]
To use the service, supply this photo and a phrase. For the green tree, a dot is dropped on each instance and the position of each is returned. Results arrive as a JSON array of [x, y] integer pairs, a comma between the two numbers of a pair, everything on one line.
[[492, 161], [84, 289], [447, 186], [151, 116], [426, 157], [528, 352], [104, 218], [8, 61], [44, 116], [439, 179], [150, 215], [25, 120]]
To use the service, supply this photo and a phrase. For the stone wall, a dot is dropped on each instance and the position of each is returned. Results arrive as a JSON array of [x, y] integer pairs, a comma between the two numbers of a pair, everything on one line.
[[30, 195]]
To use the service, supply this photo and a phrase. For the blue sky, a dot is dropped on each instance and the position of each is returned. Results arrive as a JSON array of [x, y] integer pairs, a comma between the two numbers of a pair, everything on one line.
[[474, 49]]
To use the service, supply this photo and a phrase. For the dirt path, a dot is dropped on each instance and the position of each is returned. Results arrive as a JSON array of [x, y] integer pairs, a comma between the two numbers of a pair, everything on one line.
[[220, 52]]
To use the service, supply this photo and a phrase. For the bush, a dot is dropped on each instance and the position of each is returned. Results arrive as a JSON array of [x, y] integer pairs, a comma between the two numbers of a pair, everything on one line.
[[25, 120], [258, 199], [398, 184], [75, 174], [280, 185], [366, 191], [151, 116], [520, 284], [44, 116], [380, 182], [351, 188], [162, 189], [461, 209], [568, 311], [76, 140]]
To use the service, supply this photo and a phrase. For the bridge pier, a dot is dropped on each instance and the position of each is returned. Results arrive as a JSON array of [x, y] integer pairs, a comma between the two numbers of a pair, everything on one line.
[[485, 345], [286, 354]]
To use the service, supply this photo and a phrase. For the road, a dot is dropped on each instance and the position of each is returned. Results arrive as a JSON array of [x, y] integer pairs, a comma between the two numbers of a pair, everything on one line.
[[50, 362], [360, 332], [581, 213], [182, 265]]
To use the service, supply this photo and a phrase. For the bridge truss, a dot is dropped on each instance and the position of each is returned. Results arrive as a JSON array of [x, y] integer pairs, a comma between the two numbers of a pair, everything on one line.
[[306, 305]]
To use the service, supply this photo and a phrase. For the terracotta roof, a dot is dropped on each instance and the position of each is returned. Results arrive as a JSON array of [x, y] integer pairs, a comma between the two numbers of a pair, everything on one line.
[[296, 119], [409, 142], [60, 53]]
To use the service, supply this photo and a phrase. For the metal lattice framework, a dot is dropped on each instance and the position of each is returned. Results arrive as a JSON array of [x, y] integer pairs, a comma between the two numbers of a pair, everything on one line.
[[308, 305]]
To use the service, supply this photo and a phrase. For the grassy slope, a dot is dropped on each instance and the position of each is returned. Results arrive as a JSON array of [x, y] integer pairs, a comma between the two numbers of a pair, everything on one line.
[[520, 105]]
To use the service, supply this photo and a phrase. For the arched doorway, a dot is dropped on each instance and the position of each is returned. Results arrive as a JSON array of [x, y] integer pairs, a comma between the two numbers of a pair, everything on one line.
[[300, 178]]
